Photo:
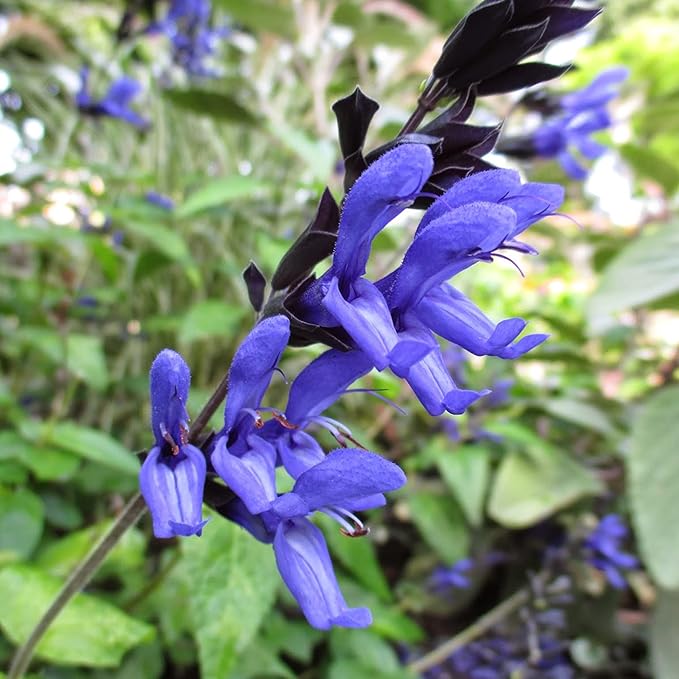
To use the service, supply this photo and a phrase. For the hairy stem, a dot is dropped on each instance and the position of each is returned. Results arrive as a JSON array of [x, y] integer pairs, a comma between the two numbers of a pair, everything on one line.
[[482, 625], [87, 568]]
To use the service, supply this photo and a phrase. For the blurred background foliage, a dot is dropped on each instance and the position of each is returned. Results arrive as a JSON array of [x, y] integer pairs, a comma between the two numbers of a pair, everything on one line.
[[95, 280]]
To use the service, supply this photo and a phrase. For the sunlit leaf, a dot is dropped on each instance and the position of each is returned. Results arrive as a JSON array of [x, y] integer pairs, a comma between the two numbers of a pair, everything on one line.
[[89, 631]]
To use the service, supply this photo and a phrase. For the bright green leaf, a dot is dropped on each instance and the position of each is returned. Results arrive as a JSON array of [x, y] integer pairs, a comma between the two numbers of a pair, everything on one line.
[[233, 580], [466, 471], [217, 192], [653, 475], [91, 444], [88, 632], [85, 359], [441, 523], [210, 318], [532, 485], [646, 270], [21, 522]]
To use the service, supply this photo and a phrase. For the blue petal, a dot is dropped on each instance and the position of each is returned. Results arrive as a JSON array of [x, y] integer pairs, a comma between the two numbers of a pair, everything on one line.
[[571, 166], [173, 489], [589, 148], [252, 475], [322, 382], [253, 366], [122, 91], [491, 186], [366, 317], [255, 524], [304, 563], [433, 385], [298, 452], [382, 192], [453, 316], [448, 245], [170, 380], [346, 474]]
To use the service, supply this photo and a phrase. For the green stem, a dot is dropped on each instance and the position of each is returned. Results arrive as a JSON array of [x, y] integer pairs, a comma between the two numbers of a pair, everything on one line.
[[482, 625], [87, 568], [78, 579]]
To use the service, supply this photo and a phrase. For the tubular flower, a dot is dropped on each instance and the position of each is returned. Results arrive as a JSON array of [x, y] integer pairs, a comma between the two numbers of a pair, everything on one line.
[[343, 482], [115, 103], [603, 547], [395, 321], [193, 41], [173, 474], [566, 133]]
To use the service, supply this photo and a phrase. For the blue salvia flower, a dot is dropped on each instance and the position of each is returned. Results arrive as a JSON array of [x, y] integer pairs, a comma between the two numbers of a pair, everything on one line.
[[159, 200], [345, 481], [603, 547], [173, 474], [454, 576], [338, 484], [395, 321], [115, 103], [193, 41], [581, 114]]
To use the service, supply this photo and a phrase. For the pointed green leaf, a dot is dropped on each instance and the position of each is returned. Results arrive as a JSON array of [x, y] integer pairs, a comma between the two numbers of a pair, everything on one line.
[[216, 192], [88, 632], [233, 580], [646, 270], [653, 474]]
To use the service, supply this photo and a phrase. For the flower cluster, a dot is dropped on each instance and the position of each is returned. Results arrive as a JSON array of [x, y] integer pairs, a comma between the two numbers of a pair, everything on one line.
[[603, 550], [581, 113], [395, 320], [246, 453], [193, 41], [114, 104], [570, 121]]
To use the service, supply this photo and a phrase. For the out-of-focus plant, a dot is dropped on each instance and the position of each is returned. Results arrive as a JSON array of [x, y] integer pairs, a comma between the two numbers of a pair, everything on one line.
[[507, 552]]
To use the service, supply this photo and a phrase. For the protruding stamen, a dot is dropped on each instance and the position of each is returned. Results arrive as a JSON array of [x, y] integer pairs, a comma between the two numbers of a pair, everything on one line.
[[168, 437], [357, 530], [258, 421], [284, 421]]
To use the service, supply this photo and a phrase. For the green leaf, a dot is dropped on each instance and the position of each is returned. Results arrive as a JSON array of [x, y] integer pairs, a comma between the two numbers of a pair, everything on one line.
[[12, 233], [85, 359], [534, 484], [213, 104], [358, 557], [91, 444], [664, 635], [261, 15], [210, 318], [21, 522], [233, 580], [441, 524], [653, 475], [466, 472], [217, 192], [651, 164], [168, 241], [646, 270], [579, 412], [88, 632], [60, 557], [47, 464]]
